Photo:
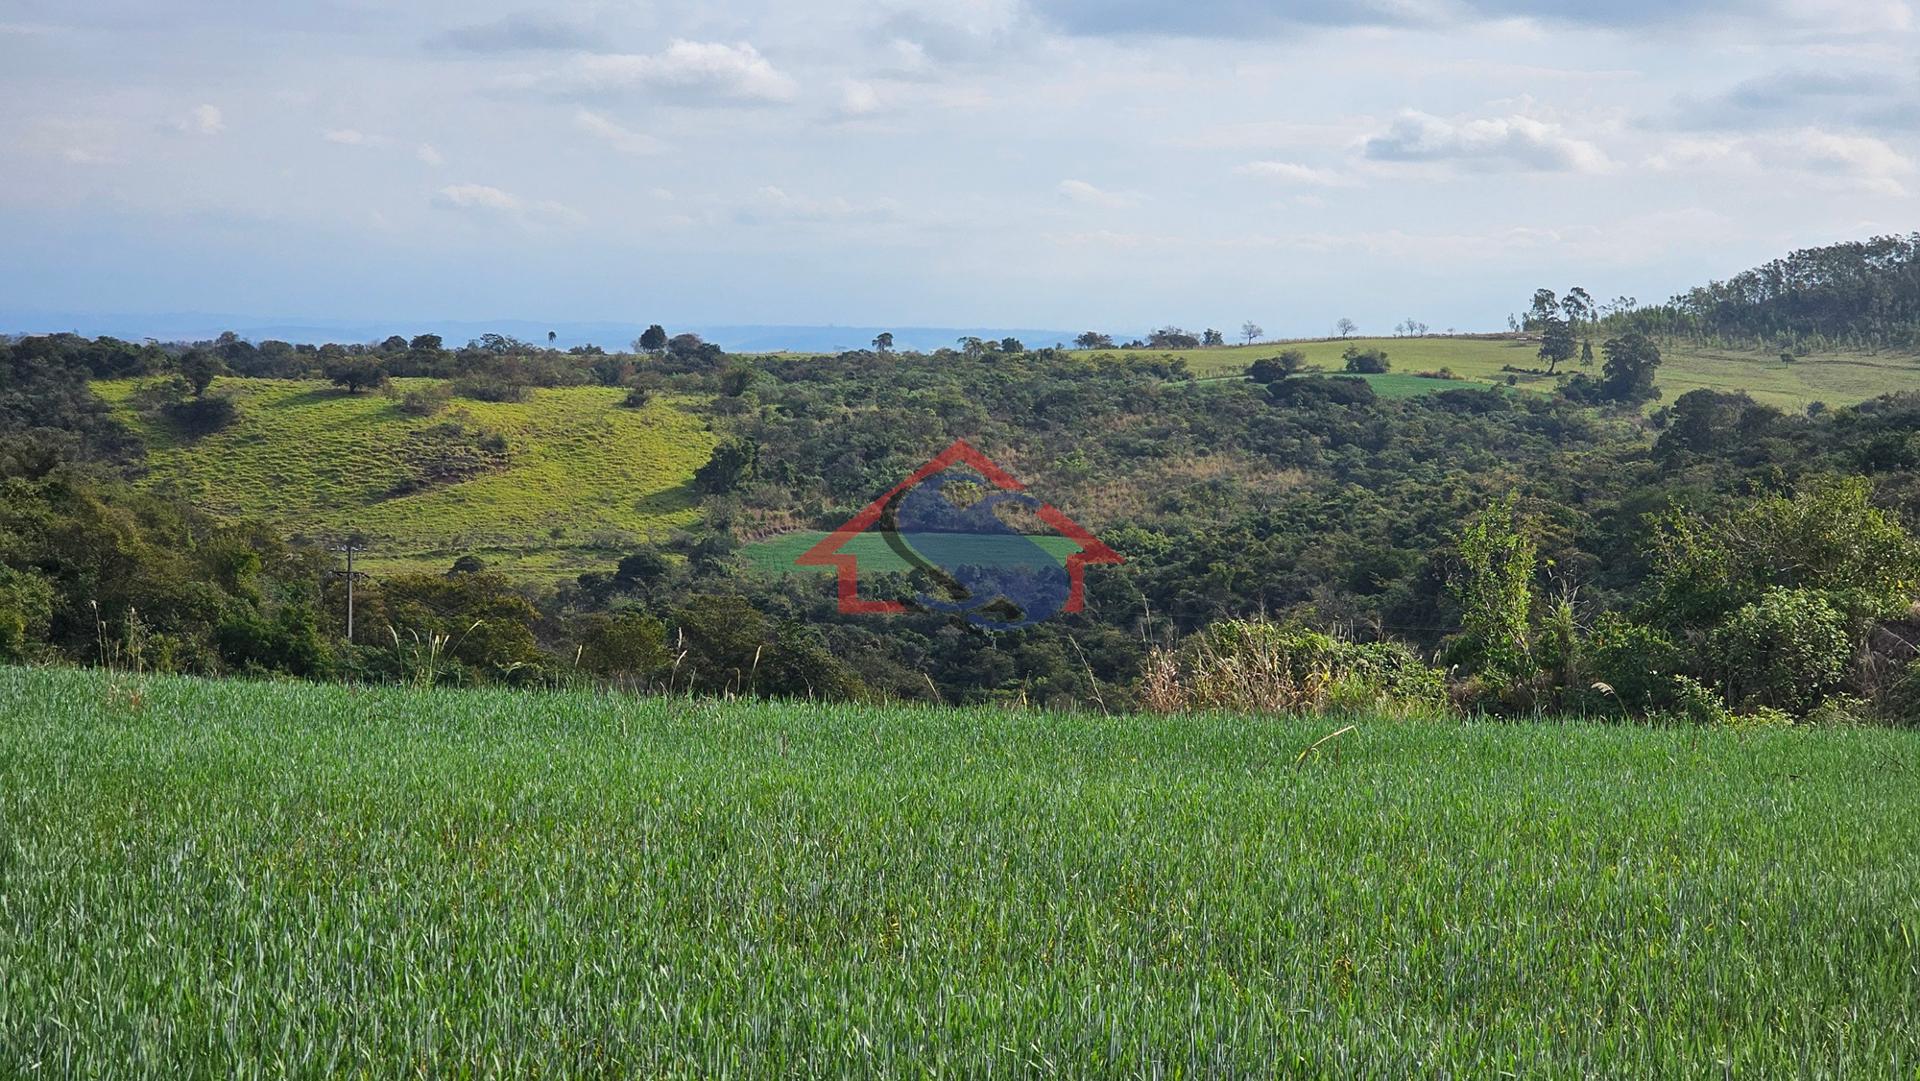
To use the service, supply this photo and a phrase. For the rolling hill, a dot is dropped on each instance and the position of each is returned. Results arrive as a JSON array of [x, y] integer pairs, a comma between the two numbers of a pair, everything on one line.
[[545, 485]]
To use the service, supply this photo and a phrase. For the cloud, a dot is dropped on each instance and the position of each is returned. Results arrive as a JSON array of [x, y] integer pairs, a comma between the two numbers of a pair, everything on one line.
[[487, 199], [1859, 162], [1082, 192], [478, 196], [1239, 19], [429, 156], [694, 72], [518, 32], [201, 120], [622, 139], [1492, 143], [1802, 96], [350, 137], [775, 204], [858, 99], [1288, 172]]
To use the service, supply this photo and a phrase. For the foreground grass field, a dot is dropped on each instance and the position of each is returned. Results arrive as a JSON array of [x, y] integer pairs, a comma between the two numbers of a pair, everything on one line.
[[575, 471], [229, 879], [1834, 378]]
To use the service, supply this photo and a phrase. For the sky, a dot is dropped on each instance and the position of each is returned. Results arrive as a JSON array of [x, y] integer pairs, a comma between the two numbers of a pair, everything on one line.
[[1106, 164]]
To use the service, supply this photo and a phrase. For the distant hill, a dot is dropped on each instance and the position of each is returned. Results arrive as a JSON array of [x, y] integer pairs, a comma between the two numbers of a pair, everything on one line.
[[738, 338]]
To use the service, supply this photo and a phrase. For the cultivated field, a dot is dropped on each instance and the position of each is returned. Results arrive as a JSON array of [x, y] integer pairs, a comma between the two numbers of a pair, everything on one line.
[[232, 879], [571, 473], [1834, 378]]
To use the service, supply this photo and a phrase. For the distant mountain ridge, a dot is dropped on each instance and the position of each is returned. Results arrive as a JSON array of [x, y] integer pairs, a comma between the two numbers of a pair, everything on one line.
[[737, 338]]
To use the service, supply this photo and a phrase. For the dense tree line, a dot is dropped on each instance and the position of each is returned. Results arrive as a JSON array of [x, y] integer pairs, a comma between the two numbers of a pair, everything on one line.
[[1860, 294]]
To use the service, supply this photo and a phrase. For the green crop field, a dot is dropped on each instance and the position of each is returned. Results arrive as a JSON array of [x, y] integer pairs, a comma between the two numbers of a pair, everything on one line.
[[776, 554], [1834, 378], [577, 474], [274, 879]]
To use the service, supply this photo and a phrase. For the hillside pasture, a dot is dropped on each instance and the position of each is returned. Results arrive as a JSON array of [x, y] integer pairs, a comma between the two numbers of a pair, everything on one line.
[[568, 468], [1833, 378]]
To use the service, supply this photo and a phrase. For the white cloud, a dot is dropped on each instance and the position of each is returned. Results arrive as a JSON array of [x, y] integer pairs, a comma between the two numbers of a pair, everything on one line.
[[1287, 172], [858, 99], [1082, 192], [429, 156], [202, 120], [1488, 143], [772, 203], [691, 71], [487, 199], [622, 139], [478, 196], [1854, 161], [349, 137]]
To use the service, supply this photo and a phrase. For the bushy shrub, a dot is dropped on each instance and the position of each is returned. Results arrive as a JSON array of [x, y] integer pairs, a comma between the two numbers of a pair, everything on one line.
[[1258, 666], [1786, 651], [1371, 361], [198, 417], [426, 401], [1631, 665], [489, 388]]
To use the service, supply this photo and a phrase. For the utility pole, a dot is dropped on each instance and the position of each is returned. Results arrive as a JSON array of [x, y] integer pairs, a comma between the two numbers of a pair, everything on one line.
[[350, 546]]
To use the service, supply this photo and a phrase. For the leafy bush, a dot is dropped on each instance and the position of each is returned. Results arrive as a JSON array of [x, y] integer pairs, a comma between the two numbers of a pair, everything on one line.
[[426, 401], [1370, 361], [1785, 651], [1632, 665], [198, 417], [490, 388], [1257, 666]]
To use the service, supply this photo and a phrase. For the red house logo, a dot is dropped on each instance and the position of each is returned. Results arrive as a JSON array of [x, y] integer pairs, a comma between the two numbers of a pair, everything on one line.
[[985, 570]]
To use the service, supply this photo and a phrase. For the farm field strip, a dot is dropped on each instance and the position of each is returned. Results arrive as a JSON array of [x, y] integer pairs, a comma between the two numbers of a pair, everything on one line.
[[274, 878]]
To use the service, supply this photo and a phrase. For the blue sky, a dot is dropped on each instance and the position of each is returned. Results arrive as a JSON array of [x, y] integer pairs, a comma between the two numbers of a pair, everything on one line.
[[1066, 163]]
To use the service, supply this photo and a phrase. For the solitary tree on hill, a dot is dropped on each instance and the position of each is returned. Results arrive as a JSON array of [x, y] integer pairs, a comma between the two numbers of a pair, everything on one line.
[[884, 341], [1250, 332], [1346, 327]]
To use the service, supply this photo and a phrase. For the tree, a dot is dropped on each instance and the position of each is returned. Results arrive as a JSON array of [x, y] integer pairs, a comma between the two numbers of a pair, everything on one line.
[[1012, 345], [1250, 332], [1586, 352], [1366, 361], [1545, 306], [551, 335], [1346, 327], [884, 341], [1172, 337], [1556, 341], [1093, 339], [1210, 337], [1577, 306], [971, 346], [1627, 375], [732, 466], [1274, 369], [200, 368], [1828, 537], [355, 373], [393, 343], [425, 343], [1493, 584], [653, 340]]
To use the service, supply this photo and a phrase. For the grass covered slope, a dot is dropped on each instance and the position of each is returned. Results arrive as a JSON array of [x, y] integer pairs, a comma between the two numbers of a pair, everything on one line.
[[203, 877], [1834, 378], [569, 468]]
